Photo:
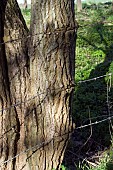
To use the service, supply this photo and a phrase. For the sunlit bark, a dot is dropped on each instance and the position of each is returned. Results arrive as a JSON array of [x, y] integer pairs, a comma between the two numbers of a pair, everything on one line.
[[40, 66]]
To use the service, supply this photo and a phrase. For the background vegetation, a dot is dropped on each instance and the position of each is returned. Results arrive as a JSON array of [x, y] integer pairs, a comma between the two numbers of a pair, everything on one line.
[[94, 58], [91, 148]]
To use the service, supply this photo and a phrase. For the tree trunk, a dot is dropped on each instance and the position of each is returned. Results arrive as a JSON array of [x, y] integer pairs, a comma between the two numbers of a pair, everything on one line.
[[38, 75], [79, 5], [25, 4]]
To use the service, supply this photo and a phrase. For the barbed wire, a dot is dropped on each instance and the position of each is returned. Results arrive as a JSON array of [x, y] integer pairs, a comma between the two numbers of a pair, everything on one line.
[[57, 31], [94, 79], [32, 98], [38, 94], [47, 92], [94, 123], [108, 117], [38, 146]]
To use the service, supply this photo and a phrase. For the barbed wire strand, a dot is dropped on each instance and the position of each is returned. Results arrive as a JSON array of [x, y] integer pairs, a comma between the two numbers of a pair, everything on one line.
[[38, 94], [47, 33], [46, 93], [38, 146], [57, 31], [12, 127], [91, 132], [32, 98], [23, 102], [82, 81], [38, 42], [45, 143], [95, 78], [95, 117], [94, 123]]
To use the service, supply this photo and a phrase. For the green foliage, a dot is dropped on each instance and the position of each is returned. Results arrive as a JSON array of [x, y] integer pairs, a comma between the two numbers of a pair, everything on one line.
[[82, 166], [94, 56], [105, 164], [27, 15], [62, 168]]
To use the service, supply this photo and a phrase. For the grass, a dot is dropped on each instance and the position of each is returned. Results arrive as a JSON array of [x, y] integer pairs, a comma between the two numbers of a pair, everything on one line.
[[94, 56]]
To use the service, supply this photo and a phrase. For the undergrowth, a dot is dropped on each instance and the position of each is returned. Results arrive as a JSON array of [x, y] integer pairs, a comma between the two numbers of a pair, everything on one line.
[[94, 58], [93, 99]]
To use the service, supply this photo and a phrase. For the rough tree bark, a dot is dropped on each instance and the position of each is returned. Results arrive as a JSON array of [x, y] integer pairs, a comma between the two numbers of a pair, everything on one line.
[[40, 66]]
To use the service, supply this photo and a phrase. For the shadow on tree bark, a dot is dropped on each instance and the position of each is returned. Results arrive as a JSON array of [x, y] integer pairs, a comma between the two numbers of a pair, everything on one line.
[[44, 67]]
